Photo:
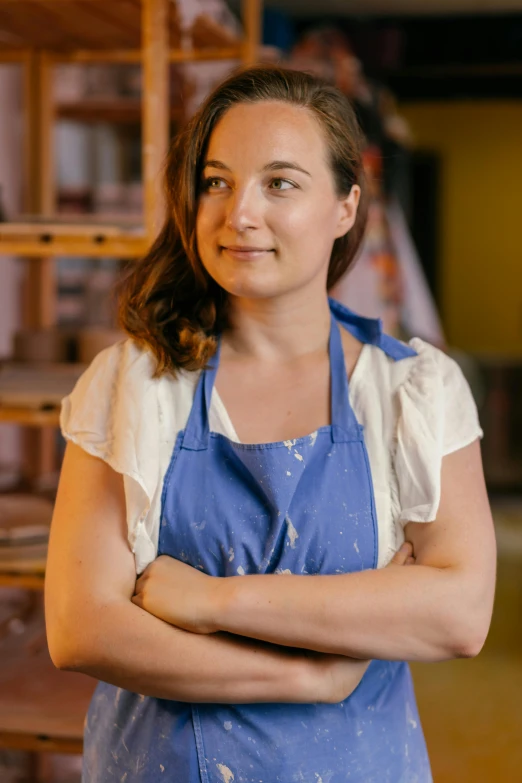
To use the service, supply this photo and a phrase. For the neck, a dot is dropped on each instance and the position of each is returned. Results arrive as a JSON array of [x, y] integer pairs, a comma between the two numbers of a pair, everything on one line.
[[278, 329]]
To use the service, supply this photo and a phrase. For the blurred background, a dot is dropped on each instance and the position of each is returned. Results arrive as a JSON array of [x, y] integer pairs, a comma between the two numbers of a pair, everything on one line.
[[90, 94]]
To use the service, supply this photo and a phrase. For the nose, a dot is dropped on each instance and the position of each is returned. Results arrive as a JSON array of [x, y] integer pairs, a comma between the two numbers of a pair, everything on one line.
[[243, 210]]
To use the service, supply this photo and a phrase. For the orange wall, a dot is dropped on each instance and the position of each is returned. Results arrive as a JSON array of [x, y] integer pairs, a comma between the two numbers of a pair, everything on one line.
[[480, 144]]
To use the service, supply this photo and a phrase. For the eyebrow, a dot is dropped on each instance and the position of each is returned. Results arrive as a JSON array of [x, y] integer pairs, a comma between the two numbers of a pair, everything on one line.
[[274, 165]]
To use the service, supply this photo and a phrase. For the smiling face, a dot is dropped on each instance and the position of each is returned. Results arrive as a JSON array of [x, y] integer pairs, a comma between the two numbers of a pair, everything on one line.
[[268, 212]]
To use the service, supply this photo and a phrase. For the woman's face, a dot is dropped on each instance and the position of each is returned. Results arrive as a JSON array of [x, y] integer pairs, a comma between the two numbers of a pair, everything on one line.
[[268, 212]]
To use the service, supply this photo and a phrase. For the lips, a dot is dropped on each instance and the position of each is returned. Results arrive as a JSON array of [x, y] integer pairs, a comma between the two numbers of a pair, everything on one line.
[[245, 252], [245, 249]]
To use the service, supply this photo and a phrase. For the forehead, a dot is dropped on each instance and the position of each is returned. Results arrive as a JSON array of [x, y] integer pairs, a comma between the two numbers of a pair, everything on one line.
[[268, 130]]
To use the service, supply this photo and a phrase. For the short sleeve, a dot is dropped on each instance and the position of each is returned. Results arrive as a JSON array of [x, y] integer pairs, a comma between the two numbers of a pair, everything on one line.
[[436, 416], [112, 414]]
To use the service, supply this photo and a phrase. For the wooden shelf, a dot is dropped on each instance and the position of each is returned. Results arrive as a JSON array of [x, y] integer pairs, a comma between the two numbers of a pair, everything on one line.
[[30, 418], [60, 237], [27, 581], [117, 110], [38, 743], [41, 708], [66, 27]]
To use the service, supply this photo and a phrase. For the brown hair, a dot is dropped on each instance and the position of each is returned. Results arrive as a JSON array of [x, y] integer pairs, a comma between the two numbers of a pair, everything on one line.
[[167, 300]]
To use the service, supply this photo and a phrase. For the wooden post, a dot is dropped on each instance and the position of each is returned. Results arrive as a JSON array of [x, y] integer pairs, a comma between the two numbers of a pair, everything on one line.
[[39, 288], [39, 300], [251, 14], [155, 109], [39, 188]]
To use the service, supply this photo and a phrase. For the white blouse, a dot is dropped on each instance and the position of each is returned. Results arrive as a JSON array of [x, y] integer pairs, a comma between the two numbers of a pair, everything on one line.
[[414, 411]]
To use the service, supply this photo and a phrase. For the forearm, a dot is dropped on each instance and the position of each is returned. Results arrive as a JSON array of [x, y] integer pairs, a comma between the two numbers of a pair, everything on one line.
[[125, 646], [391, 613]]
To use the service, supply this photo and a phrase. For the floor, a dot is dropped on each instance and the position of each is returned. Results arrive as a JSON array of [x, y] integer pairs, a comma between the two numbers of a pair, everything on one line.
[[472, 710]]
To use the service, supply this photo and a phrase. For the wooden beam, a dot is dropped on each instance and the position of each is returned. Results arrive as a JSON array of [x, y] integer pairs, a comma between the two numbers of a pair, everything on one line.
[[78, 246], [29, 417], [39, 182], [39, 743], [26, 581], [251, 14], [135, 55], [13, 55], [39, 284], [39, 310], [155, 107]]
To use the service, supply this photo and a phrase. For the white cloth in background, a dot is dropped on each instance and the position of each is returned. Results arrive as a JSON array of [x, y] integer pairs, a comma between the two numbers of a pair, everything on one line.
[[362, 290], [419, 314]]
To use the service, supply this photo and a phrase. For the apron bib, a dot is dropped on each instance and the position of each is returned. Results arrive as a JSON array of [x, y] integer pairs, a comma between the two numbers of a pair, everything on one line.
[[302, 506]]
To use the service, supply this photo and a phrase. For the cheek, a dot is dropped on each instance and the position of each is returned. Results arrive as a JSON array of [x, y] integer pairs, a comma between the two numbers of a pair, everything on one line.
[[208, 219], [311, 225]]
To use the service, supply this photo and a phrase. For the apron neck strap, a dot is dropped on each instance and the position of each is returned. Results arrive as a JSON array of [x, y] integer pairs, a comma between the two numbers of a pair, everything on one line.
[[197, 430], [344, 423]]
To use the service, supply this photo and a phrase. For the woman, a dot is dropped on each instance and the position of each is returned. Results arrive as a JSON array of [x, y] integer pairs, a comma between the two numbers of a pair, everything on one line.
[[221, 454]]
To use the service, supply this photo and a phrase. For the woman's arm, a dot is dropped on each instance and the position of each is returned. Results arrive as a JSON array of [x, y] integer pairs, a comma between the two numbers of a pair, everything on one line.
[[93, 626], [439, 609]]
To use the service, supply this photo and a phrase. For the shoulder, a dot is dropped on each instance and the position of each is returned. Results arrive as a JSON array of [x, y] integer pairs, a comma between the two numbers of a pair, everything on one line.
[[116, 393], [424, 394], [416, 365]]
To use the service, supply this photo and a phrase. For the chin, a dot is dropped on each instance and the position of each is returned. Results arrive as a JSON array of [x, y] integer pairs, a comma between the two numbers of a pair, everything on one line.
[[251, 285], [252, 291]]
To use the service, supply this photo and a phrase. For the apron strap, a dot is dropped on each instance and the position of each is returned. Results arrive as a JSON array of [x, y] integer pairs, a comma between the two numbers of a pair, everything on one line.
[[197, 431], [345, 426]]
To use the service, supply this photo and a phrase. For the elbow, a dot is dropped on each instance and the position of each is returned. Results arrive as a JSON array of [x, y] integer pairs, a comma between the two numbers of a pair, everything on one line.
[[470, 631], [70, 647], [66, 653], [469, 646]]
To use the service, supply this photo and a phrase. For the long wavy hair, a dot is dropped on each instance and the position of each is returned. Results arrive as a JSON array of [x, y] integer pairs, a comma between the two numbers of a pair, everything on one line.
[[168, 303]]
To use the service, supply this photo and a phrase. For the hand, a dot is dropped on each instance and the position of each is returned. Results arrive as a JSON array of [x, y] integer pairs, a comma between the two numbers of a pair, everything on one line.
[[337, 676], [178, 594], [403, 556]]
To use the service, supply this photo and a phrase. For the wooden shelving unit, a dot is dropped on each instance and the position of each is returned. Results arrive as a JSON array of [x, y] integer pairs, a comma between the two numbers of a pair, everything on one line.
[[42, 33], [42, 709]]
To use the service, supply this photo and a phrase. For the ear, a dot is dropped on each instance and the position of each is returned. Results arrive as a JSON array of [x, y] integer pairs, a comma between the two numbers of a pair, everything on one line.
[[348, 211]]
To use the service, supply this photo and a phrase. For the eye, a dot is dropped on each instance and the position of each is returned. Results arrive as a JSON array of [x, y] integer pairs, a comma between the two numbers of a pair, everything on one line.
[[281, 184], [214, 183]]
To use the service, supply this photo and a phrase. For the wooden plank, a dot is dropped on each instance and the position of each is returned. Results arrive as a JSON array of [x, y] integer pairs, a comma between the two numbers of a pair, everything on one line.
[[29, 26], [39, 299], [31, 104], [89, 25], [39, 283], [252, 25], [119, 111], [206, 32], [46, 135], [135, 55], [37, 386], [206, 55], [25, 581], [62, 228], [155, 128], [37, 700], [28, 417], [13, 55], [128, 247], [50, 24], [40, 743]]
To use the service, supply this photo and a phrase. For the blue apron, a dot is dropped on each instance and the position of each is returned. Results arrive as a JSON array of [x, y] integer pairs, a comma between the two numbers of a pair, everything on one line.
[[305, 506]]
